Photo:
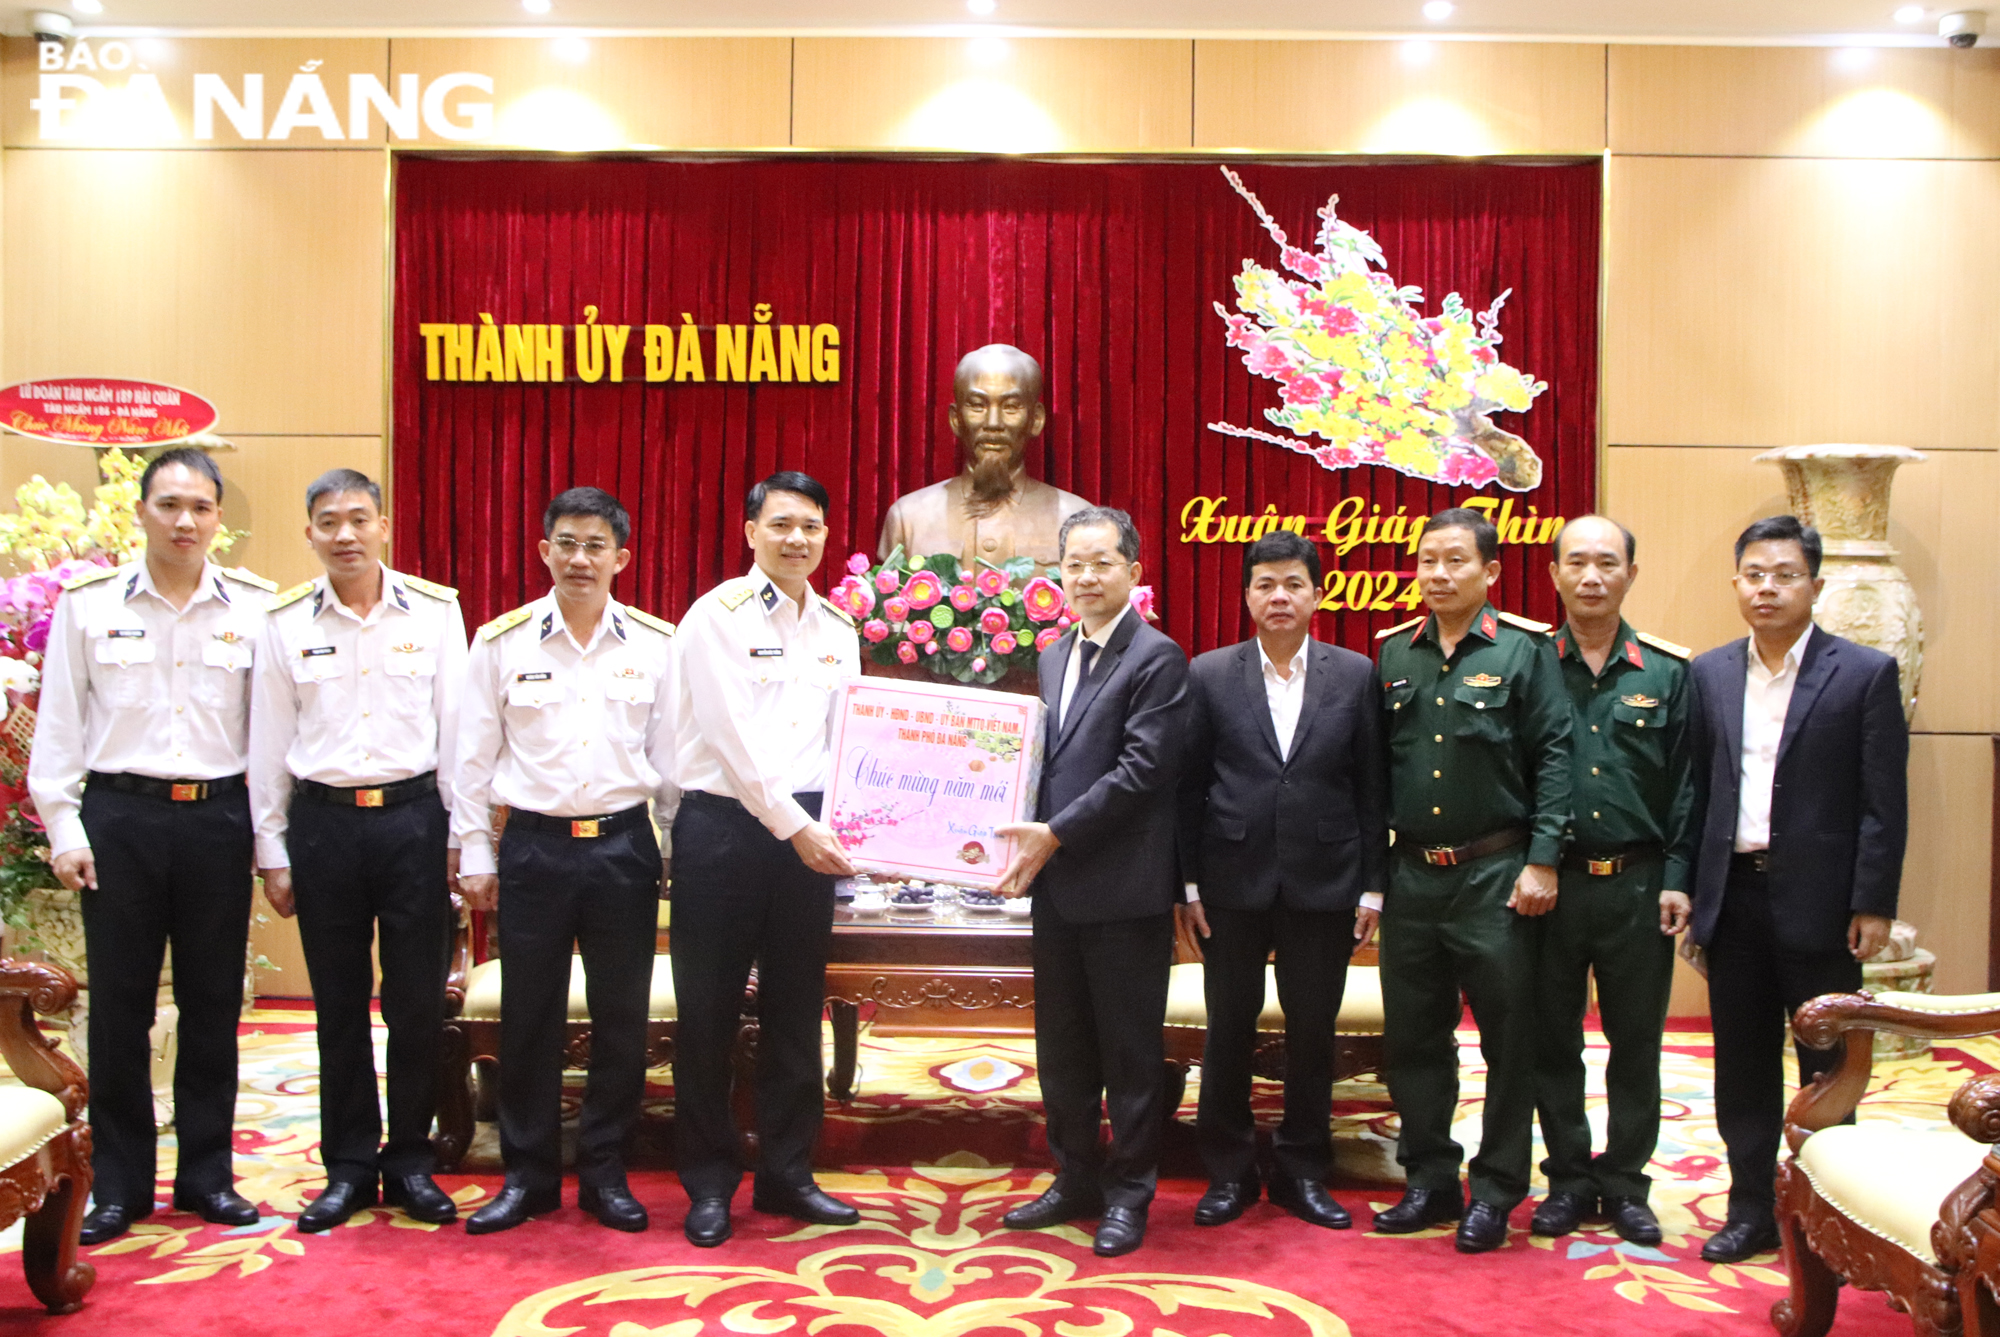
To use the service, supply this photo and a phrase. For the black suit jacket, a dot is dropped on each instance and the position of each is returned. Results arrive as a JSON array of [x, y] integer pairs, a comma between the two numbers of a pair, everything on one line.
[[1309, 830], [1840, 801], [1109, 776]]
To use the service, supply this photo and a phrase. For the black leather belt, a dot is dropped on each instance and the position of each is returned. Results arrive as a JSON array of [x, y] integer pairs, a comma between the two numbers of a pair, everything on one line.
[[1450, 856], [580, 828], [1610, 863], [380, 796], [1755, 861], [177, 791]]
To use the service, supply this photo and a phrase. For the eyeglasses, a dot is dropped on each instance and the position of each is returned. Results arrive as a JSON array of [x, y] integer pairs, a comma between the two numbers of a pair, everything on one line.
[[570, 547], [1783, 579], [1098, 568]]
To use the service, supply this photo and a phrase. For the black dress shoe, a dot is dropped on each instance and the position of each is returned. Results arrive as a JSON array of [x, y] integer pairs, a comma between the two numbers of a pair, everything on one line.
[[707, 1223], [1055, 1206], [1308, 1200], [1740, 1240], [1420, 1209], [1483, 1229], [1225, 1202], [420, 1198], [1560, 1214], [224, 1207], [515, 1205], [108, 1220], [336, 1202], [808, 1202], [613, 1205], [1119, 1230], [1633, 1220]]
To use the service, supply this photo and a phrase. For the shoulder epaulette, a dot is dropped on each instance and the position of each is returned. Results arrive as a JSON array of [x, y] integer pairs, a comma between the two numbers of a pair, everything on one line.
[[90, 577], [1677, 651], [430, 587], [645, 619], [291, 596], [736, 598], [251, 578], [836, 610], [1387, 632], [506, 622], [1526, 623]]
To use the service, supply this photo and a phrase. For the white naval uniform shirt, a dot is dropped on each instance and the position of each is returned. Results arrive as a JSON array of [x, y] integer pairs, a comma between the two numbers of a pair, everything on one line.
[[1766, 698], [352, 702], [753, 711], [132, 684], [566, 730]]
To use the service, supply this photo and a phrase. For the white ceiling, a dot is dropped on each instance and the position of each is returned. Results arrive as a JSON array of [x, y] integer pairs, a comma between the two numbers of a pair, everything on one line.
[[1796, 21]]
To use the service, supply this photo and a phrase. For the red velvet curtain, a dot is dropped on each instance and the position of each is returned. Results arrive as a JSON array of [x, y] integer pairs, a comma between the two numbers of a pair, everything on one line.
[[1106, 272]]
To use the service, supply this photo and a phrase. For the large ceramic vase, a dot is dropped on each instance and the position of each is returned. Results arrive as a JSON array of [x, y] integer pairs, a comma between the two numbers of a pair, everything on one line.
[[1843, 491]]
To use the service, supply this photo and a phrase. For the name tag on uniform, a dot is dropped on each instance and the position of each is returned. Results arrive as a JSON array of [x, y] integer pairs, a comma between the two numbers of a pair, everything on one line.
[[1392, 686], [533, 677], [767, 651], [314, 651], [126, 633]]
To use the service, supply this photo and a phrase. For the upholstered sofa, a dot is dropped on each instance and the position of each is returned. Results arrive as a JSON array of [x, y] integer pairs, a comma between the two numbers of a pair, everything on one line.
[[44, 1142]]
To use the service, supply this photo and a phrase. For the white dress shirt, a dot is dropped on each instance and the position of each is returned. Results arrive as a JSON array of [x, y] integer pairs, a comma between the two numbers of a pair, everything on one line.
[[753, 710], [566, 730], [1285, 696], [133, 684], [353, 701], [1766, 697], [1073, 671]]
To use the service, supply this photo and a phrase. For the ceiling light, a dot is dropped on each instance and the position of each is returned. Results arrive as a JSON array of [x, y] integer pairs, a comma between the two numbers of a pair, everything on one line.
[[1437, 11], [986, 50], [1416, 55], [1910, 14], [980, 7], [535, 6], [1853, 59], [572, 49], [87, 6]]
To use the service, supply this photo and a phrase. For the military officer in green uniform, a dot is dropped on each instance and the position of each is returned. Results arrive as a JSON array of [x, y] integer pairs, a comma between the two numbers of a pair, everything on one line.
[[1479, 795], [1623, 882]]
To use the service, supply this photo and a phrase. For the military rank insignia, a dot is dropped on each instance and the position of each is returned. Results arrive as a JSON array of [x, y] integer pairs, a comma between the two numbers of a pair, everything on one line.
[[1640, 702], [1481, 680]]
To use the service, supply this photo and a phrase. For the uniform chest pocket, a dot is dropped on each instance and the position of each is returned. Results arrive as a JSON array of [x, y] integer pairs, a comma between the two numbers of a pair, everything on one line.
[[411, 664], [533, 693], [1397, 699], [635, 691], [1482, 713], [315, 664], [122, 650], [1639, 724], [122, 672]]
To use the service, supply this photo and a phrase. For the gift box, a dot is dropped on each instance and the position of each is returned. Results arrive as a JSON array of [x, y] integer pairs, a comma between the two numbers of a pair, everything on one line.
[[923, 774]]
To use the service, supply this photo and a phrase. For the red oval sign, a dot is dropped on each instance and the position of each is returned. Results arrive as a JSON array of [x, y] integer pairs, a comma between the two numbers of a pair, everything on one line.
[[94, 411]]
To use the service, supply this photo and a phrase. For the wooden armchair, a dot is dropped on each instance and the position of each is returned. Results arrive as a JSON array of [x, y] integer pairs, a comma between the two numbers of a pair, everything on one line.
[[1880, 1206], [1357, 1039], [44, 1142]]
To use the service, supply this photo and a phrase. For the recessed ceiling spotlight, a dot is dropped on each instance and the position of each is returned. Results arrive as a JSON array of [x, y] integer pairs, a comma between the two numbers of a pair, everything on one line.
[[87, 6], [1910, 14], [1437, 11], [1853, 59], [980, 7], [987, 50], [572, 49], [535, 6]]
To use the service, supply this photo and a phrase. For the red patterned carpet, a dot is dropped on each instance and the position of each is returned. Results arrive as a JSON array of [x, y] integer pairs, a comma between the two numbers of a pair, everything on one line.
[[940, 1141]]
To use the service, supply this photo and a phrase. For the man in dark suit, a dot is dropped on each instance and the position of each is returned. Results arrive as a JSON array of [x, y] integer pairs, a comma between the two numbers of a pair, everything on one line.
[[1802, 807], [1283, 835], [1102, 868]]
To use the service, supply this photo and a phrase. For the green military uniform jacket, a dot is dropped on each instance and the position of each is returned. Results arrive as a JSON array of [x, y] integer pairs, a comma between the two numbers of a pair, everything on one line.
[[1478, 742], [1633, 781]]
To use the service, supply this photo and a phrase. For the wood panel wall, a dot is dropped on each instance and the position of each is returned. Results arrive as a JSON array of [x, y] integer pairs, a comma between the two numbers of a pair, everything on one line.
[[1797, 248]]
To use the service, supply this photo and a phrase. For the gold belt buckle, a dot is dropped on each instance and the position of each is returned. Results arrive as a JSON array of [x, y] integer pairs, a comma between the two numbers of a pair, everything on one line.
[[1605, 867], [585, 829], [189, 793], [367, 798], [1441, 856]]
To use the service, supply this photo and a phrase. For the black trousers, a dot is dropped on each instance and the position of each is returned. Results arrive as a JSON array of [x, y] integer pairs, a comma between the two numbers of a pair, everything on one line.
[[174, 873], [354, 869], [1100, 1005], [600, 896], [1753, 987], [1313, 948], [741, 895]]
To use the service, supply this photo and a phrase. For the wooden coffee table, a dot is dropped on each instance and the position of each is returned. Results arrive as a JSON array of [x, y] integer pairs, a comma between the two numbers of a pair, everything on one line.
[[951, 973]]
